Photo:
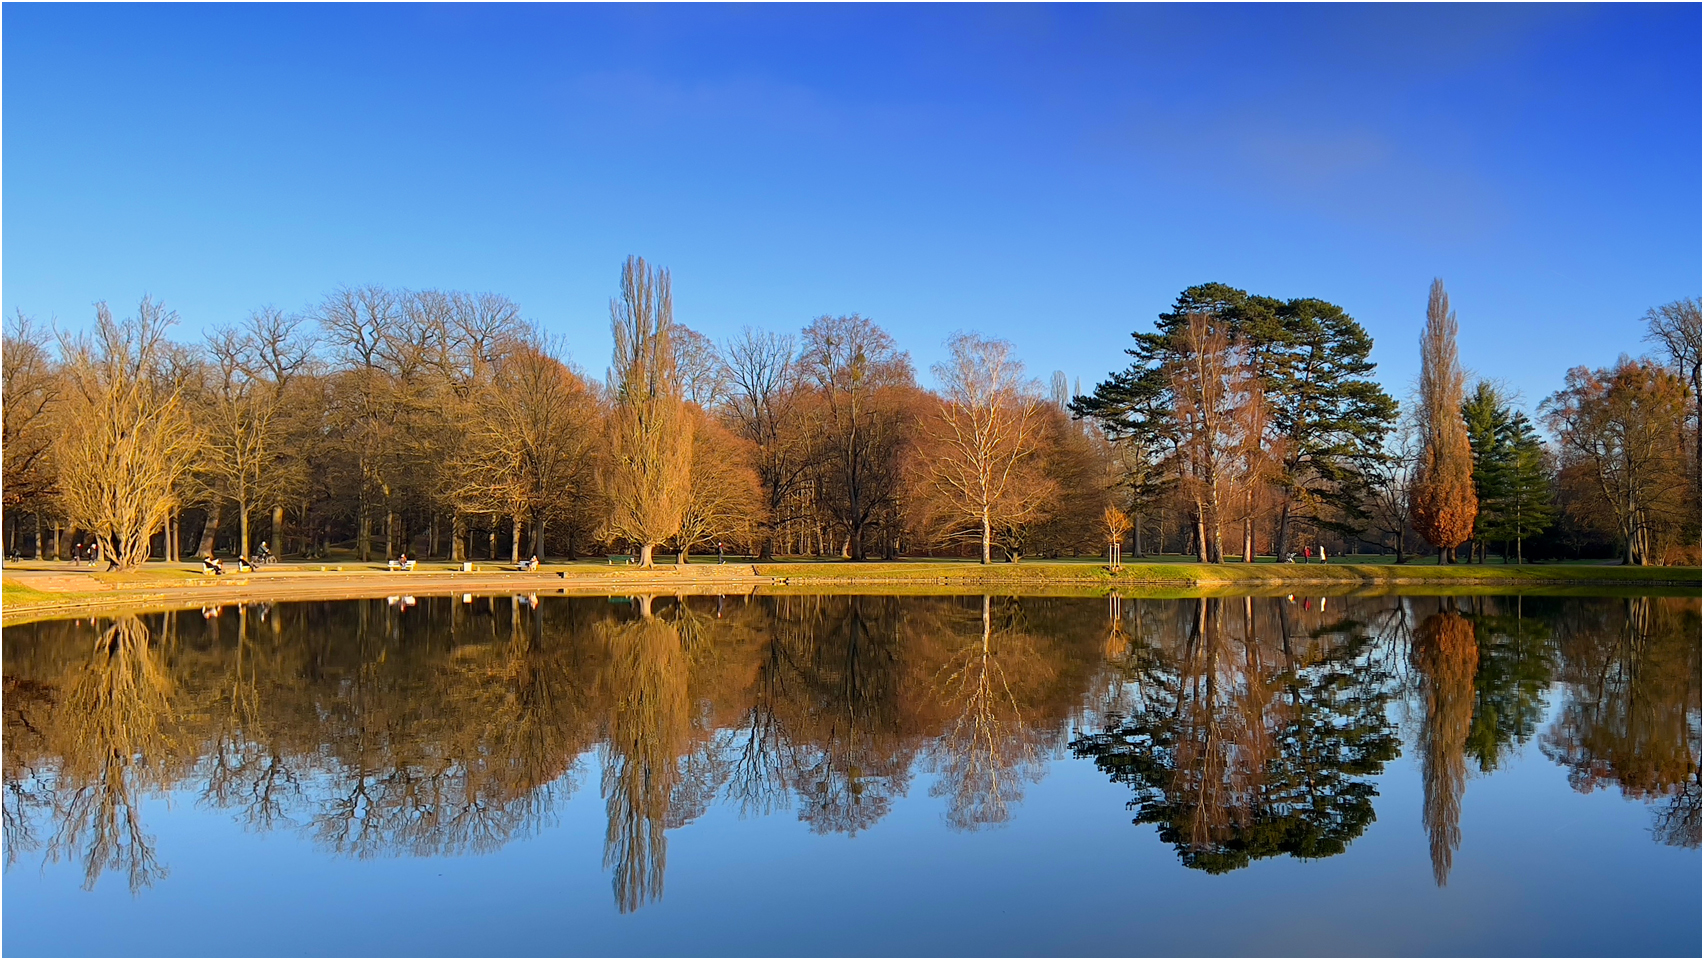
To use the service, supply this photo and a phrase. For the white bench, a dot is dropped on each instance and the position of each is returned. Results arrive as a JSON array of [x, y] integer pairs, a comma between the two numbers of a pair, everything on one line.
[[405, 565]]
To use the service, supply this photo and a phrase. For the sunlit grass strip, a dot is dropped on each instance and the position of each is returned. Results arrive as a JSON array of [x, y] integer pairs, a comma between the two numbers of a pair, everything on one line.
[[1225, 573], [156, 587]]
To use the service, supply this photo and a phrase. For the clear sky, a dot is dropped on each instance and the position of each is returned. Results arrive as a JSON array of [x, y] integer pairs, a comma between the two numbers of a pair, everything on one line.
[[1052, 175]]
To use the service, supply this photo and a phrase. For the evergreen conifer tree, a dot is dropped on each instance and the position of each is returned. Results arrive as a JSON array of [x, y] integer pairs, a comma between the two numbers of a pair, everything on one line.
[[1524, 507]]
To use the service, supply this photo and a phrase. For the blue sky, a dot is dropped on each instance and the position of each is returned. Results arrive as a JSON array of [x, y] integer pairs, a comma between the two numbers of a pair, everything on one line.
[[1052, 175]]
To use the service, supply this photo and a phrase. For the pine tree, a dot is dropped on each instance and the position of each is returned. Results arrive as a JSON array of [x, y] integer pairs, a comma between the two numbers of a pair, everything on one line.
[[1488, 422], [1511, 472], [1524, 506], [1328, 417]]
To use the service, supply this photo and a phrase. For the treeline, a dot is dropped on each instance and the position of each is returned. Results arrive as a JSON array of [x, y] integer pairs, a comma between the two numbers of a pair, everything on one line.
[[445, 424], [441, 424], [1257, 421]]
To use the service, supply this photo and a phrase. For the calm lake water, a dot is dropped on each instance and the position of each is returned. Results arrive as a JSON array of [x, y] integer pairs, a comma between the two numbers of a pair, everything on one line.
[[858, 775]]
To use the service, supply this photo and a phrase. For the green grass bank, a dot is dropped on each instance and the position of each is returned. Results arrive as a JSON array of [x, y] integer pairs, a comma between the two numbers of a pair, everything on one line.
[[39, 590]]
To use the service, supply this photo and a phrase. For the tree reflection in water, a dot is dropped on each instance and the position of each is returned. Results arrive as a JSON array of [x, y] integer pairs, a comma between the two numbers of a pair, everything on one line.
[[1246, 728], [990, 746], [1252, 735], [644, 685], [1445, 656], [1631, 720]]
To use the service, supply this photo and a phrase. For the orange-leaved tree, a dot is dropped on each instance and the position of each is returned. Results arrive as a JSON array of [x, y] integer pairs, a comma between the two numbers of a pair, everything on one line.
[[1442, 504]]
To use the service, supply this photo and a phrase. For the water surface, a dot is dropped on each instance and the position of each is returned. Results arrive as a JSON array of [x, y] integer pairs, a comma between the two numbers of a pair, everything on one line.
[[858, 775]]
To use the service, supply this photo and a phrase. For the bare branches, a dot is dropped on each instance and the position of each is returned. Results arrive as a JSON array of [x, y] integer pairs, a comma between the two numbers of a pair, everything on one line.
[[862, 382], [126, 439], [981, 441], [27, 399]]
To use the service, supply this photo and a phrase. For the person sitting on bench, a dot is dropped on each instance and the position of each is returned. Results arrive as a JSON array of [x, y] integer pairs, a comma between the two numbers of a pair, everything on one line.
[[402, 563], [528, 565], [211, 564]]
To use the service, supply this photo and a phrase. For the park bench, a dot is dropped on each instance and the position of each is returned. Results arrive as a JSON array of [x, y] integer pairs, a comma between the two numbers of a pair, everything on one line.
[[406, 565], [620, 558], [214, 567], [527, 566]]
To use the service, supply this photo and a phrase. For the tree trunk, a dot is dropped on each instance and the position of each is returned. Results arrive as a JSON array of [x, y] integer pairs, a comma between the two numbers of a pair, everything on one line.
[[1201, 537], [458, 533], [365, 536], [515, 539], [987, 539], [854, 548], [1282, 547], [645, 550], [491, 540], [390, 530], [243, 526], [1136, 530], [1248, 540], [278, 529], [538, 536], [209, 530]]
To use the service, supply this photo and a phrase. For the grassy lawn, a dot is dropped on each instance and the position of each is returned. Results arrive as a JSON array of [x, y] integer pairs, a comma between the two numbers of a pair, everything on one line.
[[18, 593], [1183, 569], [33, 590]]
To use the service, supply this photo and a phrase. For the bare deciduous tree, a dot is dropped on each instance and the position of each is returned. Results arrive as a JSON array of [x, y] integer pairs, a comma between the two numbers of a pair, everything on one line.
[[703, 375], [765, 406], [981, 442], [125, 438], [27, 398], [244, 411], [863, 381], [1678, 328], [1390, 481]]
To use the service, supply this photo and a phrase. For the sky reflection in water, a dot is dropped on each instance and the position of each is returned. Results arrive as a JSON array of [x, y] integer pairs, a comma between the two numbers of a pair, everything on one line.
[[825, 775]]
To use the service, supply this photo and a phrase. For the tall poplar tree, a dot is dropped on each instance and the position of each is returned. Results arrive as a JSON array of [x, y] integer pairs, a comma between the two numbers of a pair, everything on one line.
[[650, 433], [1443, 504]]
